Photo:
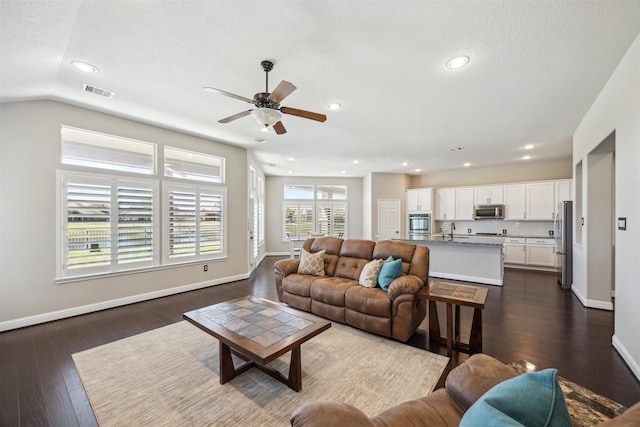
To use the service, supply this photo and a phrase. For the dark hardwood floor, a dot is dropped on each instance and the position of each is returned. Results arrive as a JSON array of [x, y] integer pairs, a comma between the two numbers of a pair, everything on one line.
[[529, 318]]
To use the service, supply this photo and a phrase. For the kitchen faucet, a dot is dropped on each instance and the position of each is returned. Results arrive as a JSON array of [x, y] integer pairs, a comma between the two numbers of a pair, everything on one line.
[[453, 227]]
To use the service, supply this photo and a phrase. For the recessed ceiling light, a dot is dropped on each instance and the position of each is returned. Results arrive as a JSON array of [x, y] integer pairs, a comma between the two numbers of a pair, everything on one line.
[[290, 171], [457, 62], [417, 169], [405, 163], [83, 66], [343, 172], [334, 106], [466, 165], [526, 157], [291, 159], [529, 146], [356, 161]]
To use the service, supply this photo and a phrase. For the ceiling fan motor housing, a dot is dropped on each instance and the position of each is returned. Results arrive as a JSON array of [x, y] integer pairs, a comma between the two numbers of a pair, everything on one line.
[[262, 101]]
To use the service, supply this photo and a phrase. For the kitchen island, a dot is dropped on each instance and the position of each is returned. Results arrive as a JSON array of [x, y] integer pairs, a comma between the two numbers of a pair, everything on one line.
[[466, 258]]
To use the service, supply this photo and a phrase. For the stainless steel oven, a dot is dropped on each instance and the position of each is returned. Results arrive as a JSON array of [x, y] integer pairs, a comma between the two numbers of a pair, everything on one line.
[[419, 226]]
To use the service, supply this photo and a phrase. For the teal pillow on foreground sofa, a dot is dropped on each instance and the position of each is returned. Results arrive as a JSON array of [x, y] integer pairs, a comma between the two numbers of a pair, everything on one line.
[[534, 399], [390, 270]]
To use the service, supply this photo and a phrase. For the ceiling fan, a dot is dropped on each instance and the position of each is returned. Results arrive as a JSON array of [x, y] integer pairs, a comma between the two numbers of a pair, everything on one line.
[[268, 109]]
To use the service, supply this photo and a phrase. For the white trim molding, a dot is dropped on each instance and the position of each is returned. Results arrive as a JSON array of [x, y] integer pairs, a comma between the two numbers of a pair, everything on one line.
[[622, 350], [590, 303], [90, 308]]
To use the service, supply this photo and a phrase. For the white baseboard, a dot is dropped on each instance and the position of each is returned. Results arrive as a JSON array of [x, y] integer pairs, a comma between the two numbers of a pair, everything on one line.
[[622, 350], [590, 303], [485, 280], [103, 305], [287, 253]]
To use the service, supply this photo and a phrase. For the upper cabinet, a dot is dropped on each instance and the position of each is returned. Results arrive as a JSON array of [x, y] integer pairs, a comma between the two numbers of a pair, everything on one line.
[[464, 203], [490, 195], [445, 204], [563, 191], [419, 200], [541, 203], [515, 201]]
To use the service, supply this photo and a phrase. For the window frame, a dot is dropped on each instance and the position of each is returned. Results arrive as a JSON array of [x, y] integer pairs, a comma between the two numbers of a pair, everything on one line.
[[115, 264]]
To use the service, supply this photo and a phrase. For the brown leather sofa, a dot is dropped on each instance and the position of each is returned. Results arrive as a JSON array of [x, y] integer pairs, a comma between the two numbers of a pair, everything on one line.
[[338, 296], [442, 408]]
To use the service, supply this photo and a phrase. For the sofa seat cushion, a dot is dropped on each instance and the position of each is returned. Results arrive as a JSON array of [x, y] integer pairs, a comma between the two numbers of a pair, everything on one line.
[[331, 290], [298, 284], [373, 301]]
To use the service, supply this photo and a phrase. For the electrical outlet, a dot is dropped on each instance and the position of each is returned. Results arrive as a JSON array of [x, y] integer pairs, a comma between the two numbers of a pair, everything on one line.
[[504, 231], [550, 232], [206, 267]]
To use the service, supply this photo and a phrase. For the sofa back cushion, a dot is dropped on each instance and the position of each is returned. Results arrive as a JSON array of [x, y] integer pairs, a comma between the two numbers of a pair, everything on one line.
[[354, 255], [331, 246]]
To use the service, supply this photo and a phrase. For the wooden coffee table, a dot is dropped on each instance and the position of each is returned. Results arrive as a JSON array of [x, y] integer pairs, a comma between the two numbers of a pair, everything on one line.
[[458, 295], [258, 331]]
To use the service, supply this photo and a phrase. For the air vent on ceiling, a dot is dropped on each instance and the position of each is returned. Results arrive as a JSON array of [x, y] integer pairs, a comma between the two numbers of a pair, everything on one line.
[[261, 140], [97, 91]]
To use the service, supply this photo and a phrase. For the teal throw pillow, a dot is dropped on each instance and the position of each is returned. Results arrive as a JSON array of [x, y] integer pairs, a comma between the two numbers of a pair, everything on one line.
[[389, 271], [531, 399]]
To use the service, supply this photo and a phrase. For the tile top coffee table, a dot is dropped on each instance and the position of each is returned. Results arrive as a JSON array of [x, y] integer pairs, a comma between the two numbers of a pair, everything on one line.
[[258, 331]]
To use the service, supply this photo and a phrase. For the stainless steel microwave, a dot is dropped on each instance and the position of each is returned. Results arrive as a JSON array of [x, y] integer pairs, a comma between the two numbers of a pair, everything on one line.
[[488, 212]]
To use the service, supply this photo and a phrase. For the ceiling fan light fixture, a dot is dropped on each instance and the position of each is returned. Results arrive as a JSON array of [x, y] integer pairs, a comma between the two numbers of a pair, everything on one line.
[[84, 66], [264, 128], [266, 116]]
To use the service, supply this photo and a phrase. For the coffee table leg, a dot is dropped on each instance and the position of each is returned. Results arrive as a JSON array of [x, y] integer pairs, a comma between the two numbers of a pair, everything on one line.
[[227, 371], [295, 369]]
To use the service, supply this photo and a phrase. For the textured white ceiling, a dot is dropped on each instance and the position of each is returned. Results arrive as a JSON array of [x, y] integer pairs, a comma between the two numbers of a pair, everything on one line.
[[536, 67]]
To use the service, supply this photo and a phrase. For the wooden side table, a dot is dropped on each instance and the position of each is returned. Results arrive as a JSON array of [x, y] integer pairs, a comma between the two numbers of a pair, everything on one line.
[[455, 295]]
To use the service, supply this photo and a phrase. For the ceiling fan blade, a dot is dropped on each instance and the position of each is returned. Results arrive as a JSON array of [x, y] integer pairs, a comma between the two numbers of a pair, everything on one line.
[[304, 114], [235, 117], [230, 95], [281, 91], [279, 128]]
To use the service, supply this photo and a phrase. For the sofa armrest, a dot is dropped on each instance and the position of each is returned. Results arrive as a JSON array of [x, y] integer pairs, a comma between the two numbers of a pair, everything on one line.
[[329, 414], [406, 284], [630, 418], [285, 267]]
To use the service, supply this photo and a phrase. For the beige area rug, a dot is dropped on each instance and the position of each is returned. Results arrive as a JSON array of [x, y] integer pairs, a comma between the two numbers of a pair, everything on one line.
[[170, 377]]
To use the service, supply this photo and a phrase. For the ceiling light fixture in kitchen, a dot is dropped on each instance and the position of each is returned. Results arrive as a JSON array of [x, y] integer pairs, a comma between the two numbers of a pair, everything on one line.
[[333, 106], [466, 165], [83, 66], [529, 146], [526, 157]]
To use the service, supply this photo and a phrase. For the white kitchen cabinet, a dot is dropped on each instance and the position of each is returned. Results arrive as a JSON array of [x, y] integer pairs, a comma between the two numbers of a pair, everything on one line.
[[490, 195], [563, 191], [515, 251], [541, 252], [515, 201], [419, 200], [445, 202], [541, 201], [464, 203]]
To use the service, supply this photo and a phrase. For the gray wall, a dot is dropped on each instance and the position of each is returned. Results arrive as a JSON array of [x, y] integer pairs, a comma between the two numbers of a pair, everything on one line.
[[617, 108], [30, 156]]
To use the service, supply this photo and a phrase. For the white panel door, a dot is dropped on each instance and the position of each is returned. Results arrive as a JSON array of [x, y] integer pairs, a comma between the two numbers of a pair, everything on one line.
[[388, 219]]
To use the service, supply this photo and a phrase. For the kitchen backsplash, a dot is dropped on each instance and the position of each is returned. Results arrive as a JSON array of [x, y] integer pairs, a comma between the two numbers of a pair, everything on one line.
[[514, 228]]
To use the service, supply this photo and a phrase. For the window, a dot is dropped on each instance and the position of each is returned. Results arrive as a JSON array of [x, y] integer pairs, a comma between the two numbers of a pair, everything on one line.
[[112, 223], [298, 219], [108, 224], [96, 150], [194, 218], [183, 164], [314, 211], [260, 211], [299, 192]]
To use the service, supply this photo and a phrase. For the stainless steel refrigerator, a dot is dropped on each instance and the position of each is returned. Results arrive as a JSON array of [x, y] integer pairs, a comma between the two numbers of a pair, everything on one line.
[[563, 233]]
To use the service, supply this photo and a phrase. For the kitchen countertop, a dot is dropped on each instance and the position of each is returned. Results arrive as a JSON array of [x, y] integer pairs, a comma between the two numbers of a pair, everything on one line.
[[470, 239]]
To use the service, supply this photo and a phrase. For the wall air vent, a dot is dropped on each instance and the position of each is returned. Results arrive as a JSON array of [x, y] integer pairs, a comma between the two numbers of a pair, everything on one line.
[[98, 91]]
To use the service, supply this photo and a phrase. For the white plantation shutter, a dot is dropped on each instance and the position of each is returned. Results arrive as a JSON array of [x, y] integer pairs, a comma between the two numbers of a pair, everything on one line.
[[107, 224], [211, 230], [195, 222], [298, 219], [136, 223], [331, 218]]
